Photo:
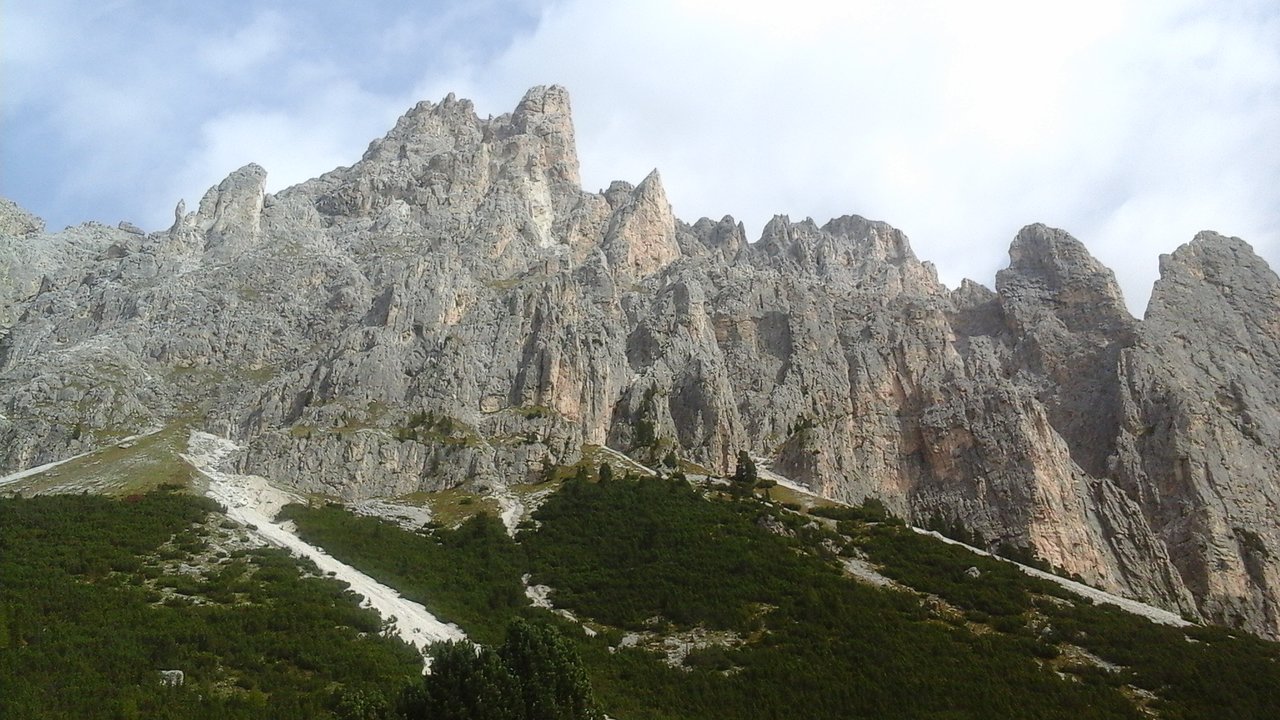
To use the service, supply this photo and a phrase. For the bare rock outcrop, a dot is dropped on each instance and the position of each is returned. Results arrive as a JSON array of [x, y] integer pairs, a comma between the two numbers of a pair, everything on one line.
[[454, 309], [1199, 448]]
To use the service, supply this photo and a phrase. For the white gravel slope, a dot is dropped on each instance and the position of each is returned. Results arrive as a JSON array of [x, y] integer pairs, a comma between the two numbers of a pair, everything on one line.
[[512, 510], [253, 501]]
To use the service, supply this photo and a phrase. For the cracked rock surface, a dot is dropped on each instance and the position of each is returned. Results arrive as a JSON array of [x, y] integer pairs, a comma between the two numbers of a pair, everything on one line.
[[454, 308]]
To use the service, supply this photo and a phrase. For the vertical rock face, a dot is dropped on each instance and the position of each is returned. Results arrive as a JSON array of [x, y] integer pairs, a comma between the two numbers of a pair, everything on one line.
[[641, 239], [1069, 320], [454, 309], [1200, 443], [230, 214], [544, 113]]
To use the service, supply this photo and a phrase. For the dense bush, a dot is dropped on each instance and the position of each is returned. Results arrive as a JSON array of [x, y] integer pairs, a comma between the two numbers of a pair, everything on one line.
[[821, 645], [924, 563], [535, 675], [655, 556], [1196, 673], [872, 510], [81, 635], [469, 575], [624, 552]]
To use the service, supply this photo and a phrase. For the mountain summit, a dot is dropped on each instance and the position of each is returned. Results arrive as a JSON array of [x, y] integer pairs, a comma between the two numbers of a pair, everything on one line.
[[454, 309]]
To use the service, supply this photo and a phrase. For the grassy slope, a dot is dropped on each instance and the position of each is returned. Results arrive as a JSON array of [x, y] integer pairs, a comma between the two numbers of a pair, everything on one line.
[[146, 463]]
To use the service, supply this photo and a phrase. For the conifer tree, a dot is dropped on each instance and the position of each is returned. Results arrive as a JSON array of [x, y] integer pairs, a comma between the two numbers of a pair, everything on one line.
[[552, 680], [465, 683], [535, 675], [745, 475]]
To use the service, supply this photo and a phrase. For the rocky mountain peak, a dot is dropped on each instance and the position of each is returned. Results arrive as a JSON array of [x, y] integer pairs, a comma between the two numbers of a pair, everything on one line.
[[15, 221], [1051, 271], [1069, 317], [876, 239], [454, 309], [727, 238], [641, 239], [231, 212], [1201, 441], [545, 113], [1055, 261], [1226, 267], [425, 129], [796, 243]]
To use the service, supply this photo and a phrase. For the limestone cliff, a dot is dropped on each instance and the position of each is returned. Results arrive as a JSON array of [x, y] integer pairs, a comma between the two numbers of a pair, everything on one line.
[[455, 309]]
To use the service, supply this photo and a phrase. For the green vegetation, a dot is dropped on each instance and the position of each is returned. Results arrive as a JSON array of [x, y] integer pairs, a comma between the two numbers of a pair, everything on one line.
[[92, 612], [450, 508], [924, 563], [745, 476], [136, 467], [429, 428], [469, 575], [535, 675], [655, 558], [626, 551], [871, 511], [820, 645], [754, 597], [1196, 673]]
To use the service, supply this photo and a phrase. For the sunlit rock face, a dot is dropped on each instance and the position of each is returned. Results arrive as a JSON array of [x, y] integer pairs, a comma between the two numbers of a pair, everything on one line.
[[454, 309]]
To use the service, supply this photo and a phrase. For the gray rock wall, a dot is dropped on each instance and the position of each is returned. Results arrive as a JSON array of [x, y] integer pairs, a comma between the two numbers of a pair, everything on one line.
[[455, 309]]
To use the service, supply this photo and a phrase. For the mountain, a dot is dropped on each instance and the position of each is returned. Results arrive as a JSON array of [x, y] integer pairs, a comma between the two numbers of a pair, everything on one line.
[[454, 309]]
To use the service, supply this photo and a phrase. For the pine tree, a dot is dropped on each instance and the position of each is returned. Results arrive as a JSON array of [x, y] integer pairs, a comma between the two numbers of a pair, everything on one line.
[[766, 484], [465, 683], [535, 675], [552, 680], [745, 475]]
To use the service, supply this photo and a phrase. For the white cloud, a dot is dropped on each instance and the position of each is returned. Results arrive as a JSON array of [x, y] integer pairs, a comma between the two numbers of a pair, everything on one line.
[[246, 48], [294, 145], [1131, 123]]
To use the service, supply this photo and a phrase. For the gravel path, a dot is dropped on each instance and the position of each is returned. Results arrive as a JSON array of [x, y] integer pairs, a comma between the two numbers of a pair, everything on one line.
[[1150, 612]]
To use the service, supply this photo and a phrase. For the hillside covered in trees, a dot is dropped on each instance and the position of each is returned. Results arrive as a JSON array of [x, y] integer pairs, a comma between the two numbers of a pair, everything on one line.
[[670, 601]]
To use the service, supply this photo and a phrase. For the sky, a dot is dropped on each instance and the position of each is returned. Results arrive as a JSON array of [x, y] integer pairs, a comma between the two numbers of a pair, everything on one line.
[[1132, 124]]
